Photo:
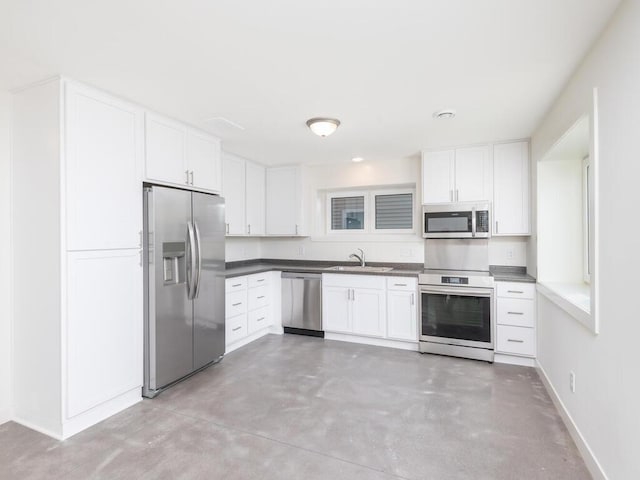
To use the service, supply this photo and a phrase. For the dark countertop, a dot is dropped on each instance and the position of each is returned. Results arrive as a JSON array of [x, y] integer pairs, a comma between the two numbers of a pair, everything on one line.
[[500, 273], [249, 267], [503, 273]]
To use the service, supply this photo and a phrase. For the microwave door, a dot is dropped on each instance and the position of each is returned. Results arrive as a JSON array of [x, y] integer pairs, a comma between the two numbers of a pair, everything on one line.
[[448, 224]]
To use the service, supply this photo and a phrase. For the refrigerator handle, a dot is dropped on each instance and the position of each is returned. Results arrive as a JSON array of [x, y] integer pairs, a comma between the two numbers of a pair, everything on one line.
[[198, 261], [191, 261]]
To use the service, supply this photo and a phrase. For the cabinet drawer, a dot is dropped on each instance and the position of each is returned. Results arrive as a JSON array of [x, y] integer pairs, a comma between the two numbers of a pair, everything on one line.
[[258, 297], [516, 290], [516, 340], [259, 279], [258, 319], [402, 283], [236, 303], [236, 328], [515, 311], [235, 284]]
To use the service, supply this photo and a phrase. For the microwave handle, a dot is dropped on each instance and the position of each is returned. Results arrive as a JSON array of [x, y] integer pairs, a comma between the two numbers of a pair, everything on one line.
[[473, 221]]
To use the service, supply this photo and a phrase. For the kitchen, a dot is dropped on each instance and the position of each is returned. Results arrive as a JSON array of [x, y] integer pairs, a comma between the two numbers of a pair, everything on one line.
[[81, 151]]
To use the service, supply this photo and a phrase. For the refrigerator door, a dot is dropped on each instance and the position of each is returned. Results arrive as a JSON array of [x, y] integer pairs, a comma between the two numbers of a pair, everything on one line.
[[208, 304], [169, 313]]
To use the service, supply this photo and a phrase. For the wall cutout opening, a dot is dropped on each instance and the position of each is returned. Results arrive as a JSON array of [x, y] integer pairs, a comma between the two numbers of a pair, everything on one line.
[[567, 177]]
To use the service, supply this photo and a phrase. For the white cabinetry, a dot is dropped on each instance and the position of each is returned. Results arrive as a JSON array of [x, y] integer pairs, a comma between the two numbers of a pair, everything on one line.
[[460, 175], [402, 311], [511, 189], [244, 185], [77, 293], [370, 306], [284, 201], [251, 307], [180, 155], [515, 330]]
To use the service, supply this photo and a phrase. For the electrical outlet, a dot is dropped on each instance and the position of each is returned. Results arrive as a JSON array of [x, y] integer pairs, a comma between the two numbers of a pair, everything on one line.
[[301, 251], [510, 253], [572, 382]]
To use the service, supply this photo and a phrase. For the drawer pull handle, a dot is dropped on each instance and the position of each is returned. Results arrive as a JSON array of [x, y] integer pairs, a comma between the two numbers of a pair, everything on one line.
[[260, 280], [261, 296], [400, 284], [513, 340], [236, 329], [236, 304], [515, 313], [236, 285], [260, 319], [515, 291]]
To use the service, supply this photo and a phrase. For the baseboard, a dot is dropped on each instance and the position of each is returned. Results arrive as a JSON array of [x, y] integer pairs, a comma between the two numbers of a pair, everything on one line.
[[590, 460], [378, 342], [514, 360], [37, 428]]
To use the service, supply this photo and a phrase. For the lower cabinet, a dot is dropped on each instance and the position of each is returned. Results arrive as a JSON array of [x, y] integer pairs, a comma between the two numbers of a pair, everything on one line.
[[370, 305], [515, 312], [248, 307]]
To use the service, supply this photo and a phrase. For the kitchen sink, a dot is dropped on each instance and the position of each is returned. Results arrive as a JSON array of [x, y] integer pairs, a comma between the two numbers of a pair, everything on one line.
[[358, 268]]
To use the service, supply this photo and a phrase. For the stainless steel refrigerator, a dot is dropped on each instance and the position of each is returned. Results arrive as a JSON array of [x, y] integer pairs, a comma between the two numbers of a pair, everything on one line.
[[184, 260]]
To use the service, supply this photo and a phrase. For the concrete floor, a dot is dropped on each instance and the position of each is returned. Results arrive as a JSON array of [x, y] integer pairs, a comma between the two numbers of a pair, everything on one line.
[[295, 407]]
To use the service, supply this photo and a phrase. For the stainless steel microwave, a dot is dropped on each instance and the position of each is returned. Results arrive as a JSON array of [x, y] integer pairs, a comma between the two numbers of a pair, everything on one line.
[[456, 220]]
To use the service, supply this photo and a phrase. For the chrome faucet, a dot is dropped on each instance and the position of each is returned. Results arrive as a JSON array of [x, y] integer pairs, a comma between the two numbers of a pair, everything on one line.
[[359, 257]]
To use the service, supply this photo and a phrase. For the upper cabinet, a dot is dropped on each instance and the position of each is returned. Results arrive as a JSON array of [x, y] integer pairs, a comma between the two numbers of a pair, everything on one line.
[[284, 201], [511, 189], [457, 175], [244, 193], [179, 155]]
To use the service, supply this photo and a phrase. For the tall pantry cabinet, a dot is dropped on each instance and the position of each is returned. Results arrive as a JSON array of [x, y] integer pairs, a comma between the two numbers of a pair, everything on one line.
[[77, 272]]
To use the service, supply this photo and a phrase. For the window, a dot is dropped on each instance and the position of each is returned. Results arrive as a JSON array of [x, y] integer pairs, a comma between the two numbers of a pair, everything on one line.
[[586, 223], [371, 211]]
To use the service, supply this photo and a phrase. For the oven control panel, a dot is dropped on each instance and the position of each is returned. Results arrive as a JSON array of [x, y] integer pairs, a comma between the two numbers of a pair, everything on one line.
[[455, 280]]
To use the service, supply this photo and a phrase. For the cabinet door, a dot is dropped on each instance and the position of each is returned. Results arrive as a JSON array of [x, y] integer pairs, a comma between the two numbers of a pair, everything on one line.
[[103, 327], [165, 142], [369, 312], [103, 174], [255, 197], [511, 189], [402, 315], [283, 201], [473, 174], [336, 309], [203, 160], [437, 177], [233, 188]]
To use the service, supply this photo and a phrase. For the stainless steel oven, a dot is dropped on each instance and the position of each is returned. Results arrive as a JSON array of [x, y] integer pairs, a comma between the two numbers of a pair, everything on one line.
[[457, 314]]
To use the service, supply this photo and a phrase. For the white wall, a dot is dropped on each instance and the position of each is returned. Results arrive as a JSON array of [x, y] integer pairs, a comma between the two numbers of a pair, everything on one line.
[[604, 406], [378, 247], [239, 248], [5, 261]]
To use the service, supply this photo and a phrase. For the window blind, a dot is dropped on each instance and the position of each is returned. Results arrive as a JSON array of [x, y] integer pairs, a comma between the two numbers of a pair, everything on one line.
[[394, 212], [347, 213]]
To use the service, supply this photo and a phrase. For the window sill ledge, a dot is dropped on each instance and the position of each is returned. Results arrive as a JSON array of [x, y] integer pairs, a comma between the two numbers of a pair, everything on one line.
[[573, 298]]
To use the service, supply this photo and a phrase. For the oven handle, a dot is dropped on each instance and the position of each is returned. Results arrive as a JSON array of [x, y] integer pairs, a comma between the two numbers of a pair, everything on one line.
[[460, 291], [473, 222]]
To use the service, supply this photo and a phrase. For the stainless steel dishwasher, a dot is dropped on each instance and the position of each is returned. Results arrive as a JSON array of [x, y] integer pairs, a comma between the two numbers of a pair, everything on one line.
[[302, 303]]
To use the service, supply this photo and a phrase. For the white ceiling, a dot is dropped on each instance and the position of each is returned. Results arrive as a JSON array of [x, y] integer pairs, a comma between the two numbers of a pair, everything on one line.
[[382, 67]]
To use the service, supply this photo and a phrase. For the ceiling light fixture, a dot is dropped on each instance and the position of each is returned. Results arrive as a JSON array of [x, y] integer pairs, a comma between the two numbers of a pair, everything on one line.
[[444, 114], [357, 159], [323, 127]]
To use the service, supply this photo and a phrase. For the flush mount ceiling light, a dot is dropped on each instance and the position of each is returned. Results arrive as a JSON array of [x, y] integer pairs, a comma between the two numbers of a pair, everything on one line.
[[357, 159], [444, 114], [323, 127]]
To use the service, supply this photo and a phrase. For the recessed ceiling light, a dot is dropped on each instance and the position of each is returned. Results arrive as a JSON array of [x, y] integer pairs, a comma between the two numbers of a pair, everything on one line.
[[444, 114], [323, 127], [357, 159]]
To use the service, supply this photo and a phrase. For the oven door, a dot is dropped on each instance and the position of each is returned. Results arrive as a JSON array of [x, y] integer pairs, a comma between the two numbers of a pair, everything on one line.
[[457, 316]]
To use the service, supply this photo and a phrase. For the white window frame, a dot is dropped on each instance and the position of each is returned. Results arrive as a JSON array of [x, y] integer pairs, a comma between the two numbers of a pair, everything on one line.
[[393, 191], [346, 231], [587, 172], [369, 211]]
